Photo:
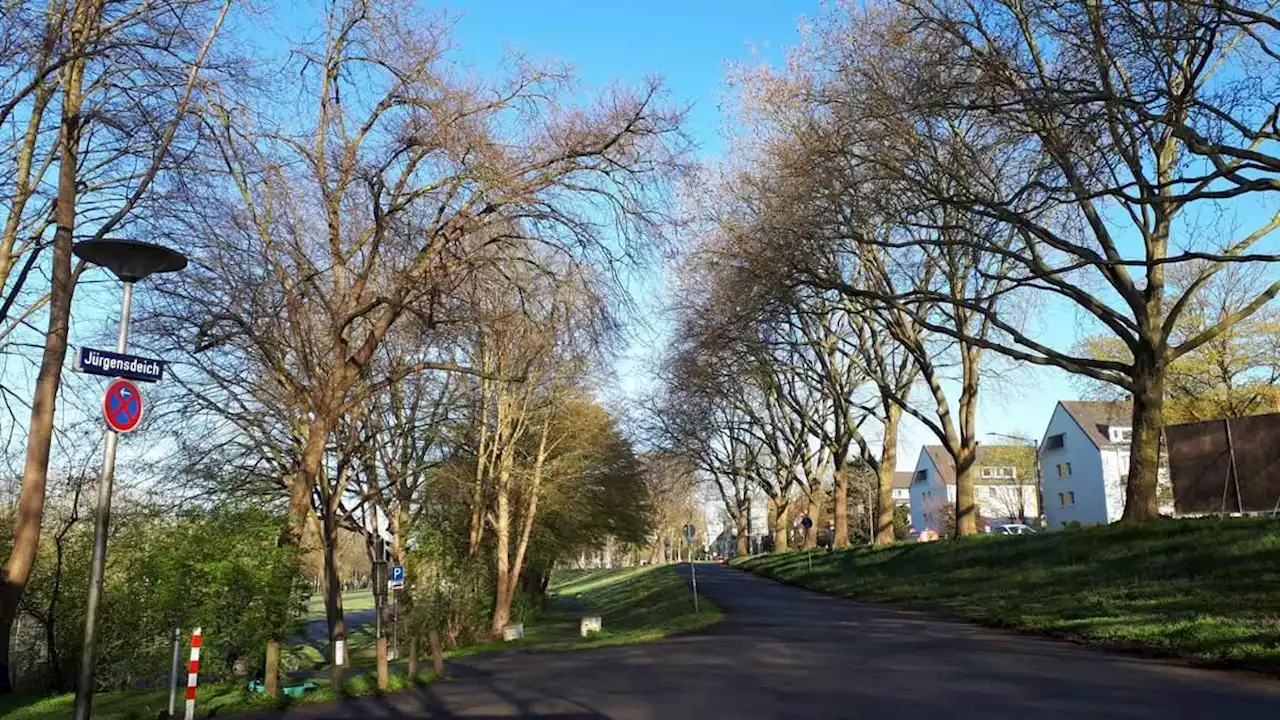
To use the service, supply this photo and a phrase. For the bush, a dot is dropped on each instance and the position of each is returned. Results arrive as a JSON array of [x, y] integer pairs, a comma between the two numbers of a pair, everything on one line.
[[901, 522], [220, 570], [452, 592]]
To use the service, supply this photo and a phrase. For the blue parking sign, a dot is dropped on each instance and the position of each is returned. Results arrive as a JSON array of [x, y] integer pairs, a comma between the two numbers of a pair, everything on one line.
[[397, 573]]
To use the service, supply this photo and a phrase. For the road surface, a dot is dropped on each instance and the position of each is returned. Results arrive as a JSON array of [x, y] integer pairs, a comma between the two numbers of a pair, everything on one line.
[[788, 653]]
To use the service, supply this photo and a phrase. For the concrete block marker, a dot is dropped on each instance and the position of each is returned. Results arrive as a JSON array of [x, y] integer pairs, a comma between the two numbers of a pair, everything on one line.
[[514, 631], [590, 624], [193, 674]]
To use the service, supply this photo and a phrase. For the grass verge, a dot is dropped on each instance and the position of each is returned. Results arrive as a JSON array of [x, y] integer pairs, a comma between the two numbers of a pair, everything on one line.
[[212, 700], [635, 605], [1206, 590]]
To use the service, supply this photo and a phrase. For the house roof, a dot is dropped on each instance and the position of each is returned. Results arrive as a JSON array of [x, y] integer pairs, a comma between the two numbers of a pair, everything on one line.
[[1096, 417], [902, 479], [987, 456]]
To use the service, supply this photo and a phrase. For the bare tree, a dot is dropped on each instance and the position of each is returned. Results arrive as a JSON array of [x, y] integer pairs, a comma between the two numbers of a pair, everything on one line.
[[1113, 121]]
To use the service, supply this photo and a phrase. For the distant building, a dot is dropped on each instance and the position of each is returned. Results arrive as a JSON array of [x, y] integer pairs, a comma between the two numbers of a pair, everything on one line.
[[999, 493], [1084, 463], [902, 488]]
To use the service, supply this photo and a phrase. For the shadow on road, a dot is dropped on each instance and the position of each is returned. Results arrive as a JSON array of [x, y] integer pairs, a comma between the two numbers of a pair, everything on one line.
[[789, 653]]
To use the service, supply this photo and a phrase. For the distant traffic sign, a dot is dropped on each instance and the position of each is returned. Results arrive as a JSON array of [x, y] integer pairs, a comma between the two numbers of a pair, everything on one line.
[[101, 362], [807, 522], [122, 405], [689, 532], [396, 581]]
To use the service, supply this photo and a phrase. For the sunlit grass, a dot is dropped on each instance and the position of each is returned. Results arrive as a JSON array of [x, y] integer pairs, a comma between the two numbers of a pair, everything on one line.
[[1205, 590], [636, 605]]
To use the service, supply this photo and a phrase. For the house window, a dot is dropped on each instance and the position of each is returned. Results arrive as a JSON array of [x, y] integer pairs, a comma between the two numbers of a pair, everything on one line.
[[992, 473], [1071, 497], [922, 475], [1067, 499], [1064, 469], [1055, 442], [1121, 434]]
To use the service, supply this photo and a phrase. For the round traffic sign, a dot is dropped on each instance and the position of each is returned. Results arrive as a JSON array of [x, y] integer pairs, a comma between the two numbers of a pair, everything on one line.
[[122, 405], [807, 522]]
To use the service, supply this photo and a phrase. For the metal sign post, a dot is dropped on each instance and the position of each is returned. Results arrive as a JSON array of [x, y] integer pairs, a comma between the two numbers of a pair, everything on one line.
[[807, 522], [130, 262], [102, 517], [689, 532], [173, 671]]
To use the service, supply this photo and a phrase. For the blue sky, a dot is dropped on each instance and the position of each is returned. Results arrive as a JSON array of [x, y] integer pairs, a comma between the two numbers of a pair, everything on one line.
[[690, 45]]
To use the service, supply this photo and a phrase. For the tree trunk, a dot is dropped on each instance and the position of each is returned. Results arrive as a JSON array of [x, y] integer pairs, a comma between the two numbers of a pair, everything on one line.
[[743, 546], [303, 482], [271, 676], [781, 526], [840, 503], [887, 467], [966, 508], [502, 541], [1140, 497], [437, 655], [333, 594], [35, 470]]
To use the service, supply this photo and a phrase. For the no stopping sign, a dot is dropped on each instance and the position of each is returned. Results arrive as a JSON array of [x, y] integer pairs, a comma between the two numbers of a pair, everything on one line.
[[122, 405]]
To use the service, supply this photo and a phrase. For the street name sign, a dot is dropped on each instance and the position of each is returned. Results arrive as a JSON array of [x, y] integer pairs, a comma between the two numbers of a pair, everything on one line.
[[102, 362]]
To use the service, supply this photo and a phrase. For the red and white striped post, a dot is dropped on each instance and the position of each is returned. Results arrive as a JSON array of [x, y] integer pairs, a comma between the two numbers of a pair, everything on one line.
[[193, 674]]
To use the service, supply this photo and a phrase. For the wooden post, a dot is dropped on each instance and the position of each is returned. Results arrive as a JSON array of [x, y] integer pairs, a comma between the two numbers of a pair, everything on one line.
[[382, 663], [273, 668], [413, 658], [437, 655]]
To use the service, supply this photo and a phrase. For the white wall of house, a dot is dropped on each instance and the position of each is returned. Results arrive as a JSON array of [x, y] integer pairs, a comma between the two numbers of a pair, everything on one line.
[[902, 496], [1115, 470], [1079, 493], [928, 495], [1005, 502]]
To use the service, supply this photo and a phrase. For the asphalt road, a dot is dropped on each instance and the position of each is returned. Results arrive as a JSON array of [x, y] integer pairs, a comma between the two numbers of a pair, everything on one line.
[[789, 653]]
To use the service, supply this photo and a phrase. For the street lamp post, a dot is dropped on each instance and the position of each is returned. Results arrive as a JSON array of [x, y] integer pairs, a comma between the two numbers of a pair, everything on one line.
[[130, 261]]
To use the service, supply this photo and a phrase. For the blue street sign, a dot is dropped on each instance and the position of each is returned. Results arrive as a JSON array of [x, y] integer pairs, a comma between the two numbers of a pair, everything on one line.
[[397, 573], [103, 362]]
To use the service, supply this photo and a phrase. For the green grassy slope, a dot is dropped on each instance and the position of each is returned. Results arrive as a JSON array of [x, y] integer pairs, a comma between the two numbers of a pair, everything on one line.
[[1203, 590], [636, 605]]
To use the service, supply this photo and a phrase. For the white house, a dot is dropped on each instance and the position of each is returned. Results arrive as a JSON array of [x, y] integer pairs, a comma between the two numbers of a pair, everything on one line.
[[902, 488], [1084, 463], [998, 491]]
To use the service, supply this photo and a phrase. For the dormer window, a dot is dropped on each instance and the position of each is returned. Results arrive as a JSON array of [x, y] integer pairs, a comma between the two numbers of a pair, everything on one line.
[[1121, 434], [922, 475]]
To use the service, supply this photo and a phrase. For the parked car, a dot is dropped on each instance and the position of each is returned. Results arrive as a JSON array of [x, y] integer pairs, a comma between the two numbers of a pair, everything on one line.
[[1014, 529]]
